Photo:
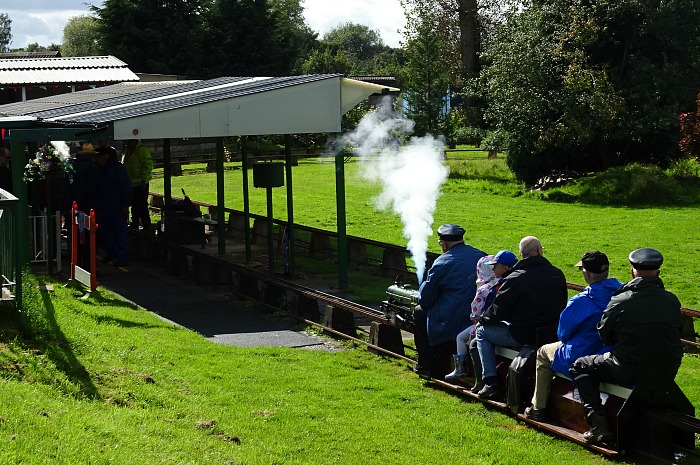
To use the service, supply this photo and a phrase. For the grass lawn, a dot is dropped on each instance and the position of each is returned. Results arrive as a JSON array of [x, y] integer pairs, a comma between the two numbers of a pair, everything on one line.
[[482, 196], [103, 382], [494, 211]]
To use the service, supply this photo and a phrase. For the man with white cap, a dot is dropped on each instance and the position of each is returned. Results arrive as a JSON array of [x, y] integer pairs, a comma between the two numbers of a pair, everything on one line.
[[643, 323], [444, 300]]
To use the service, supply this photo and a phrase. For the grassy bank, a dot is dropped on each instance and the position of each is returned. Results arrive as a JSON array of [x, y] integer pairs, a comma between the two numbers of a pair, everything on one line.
[[102, 382]]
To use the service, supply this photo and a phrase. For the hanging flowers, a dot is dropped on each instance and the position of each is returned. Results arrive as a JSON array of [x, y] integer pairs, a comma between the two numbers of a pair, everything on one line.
[[47, 162]]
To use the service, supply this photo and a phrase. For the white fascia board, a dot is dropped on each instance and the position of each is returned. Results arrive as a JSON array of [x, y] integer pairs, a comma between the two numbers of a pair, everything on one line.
[[305, 108], [353, 92]]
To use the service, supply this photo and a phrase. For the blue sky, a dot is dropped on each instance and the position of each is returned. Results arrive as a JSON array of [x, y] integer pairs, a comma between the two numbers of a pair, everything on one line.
[[42, 21]]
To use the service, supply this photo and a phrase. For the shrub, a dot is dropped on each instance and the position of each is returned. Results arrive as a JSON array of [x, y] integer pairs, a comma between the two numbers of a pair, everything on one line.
[[632, 185], [687, 168], [468, 135]]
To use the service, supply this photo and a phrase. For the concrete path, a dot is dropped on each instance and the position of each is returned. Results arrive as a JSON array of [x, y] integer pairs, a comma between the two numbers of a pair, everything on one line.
[[212, 314]]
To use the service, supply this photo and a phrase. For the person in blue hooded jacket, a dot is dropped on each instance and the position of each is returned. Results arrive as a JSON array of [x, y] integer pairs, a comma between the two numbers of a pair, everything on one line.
[[577, 330], [444, 302], [113, 200]]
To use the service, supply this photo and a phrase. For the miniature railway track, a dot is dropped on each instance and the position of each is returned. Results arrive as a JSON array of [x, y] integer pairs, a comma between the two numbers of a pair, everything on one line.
[[208, 270]]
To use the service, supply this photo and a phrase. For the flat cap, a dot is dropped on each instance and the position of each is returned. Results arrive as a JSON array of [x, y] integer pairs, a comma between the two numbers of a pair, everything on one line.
[[450, 232], [646, 259], [594, 262]]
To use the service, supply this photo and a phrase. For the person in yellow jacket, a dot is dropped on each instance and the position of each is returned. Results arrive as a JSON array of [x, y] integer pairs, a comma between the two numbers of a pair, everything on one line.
[[138, 162]]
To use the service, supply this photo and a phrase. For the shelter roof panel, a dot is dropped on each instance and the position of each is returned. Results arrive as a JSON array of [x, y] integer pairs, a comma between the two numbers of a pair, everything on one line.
[[27, 71], [189, 95]]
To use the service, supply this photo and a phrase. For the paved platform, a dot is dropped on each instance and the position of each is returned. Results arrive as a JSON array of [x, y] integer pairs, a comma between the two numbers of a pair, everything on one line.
[[218, 317]]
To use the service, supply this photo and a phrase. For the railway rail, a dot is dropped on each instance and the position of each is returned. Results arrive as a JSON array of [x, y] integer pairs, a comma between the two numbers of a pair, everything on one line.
[[308, 304]]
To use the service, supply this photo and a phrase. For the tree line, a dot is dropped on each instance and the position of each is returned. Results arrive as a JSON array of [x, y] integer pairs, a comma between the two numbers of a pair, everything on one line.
[[560, 84]]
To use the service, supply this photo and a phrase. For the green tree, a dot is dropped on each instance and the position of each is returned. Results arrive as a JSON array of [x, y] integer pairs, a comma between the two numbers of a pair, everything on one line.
[[358, 40], [205, 38], [80, 37], [5, 32], [463, 26], [426, 81], [153, 36], [353, 49], [327, 59], [586, 85]]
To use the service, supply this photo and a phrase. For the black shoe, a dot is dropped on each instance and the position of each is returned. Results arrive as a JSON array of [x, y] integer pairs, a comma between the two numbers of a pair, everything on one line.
[[106, 259], [535, 414], [422, 371], [600, 434], [490, 392], [477, 387], [119, 263], [601, 439]]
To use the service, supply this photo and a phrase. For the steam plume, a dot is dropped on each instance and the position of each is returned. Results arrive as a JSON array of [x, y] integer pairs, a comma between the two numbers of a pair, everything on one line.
[[410, 173]]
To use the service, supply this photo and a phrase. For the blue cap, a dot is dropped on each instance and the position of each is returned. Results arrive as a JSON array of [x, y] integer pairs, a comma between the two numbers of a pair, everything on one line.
[[505, 257]]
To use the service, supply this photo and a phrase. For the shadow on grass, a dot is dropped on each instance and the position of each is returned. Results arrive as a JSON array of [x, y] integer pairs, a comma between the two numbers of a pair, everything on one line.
[[61, 354]]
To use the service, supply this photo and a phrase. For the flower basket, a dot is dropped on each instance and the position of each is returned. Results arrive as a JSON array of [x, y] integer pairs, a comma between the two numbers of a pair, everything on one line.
[[48, 164]]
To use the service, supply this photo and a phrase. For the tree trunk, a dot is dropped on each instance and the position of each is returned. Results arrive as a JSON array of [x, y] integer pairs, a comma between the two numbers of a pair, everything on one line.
[[470, 46]]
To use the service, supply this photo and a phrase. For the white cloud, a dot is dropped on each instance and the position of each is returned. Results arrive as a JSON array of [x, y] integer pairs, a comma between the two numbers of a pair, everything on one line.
[[42, 21], [386, 16]]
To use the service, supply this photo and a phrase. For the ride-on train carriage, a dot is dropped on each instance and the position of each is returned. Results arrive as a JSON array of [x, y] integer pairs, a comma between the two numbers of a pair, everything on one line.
[[653, 418]]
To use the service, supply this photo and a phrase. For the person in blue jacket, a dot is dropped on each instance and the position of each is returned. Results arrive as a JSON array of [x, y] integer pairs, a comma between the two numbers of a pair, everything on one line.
[[444, 302], [113, 200], [577, 331]]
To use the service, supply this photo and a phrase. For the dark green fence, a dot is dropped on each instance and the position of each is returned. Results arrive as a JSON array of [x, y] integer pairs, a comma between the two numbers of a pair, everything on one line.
[[10, 258]]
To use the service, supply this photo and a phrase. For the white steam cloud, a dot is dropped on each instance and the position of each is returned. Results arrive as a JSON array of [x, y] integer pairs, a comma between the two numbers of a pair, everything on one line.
[[410, 173]]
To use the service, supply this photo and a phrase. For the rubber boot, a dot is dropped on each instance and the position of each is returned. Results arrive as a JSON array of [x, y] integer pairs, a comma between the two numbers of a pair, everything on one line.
[[476, 363], [459, 371]]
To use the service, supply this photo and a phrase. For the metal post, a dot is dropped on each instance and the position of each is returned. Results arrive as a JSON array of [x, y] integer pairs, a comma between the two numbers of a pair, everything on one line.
[[220, 200], [246, 199], [341, 219], [49, 252], [270, 239], [167, 184], [19, 190], [290, 204]]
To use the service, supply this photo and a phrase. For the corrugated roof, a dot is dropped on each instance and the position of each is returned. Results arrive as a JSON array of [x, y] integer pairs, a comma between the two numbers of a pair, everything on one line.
[[35, 71], [25, 55], [189, 95], [121, 101], [212, 108]]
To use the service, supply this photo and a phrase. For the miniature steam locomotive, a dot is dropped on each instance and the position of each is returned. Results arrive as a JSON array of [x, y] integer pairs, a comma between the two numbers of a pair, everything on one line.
[[400, 303]]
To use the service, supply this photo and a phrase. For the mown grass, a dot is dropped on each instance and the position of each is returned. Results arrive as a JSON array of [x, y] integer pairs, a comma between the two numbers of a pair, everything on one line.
[[496, 211], [86, 381]]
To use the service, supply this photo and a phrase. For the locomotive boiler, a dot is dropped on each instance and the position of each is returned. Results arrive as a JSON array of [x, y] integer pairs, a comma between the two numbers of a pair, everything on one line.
[[401, 301]]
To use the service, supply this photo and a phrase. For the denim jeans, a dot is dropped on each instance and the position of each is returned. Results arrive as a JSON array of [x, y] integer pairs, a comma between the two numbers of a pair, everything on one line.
[[487, 338], [463, 339]]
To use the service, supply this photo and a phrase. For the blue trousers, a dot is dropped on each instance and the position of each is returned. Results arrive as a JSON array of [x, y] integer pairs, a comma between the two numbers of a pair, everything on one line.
[[487, 338]]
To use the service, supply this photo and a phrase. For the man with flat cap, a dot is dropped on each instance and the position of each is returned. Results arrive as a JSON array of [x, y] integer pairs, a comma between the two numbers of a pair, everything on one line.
[[643, 324], [444, 302]]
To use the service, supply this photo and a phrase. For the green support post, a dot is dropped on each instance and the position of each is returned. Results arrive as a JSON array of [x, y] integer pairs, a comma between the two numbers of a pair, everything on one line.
[[19, 190], [220, 200], [342, 222], [167, 167], [290, 207]]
